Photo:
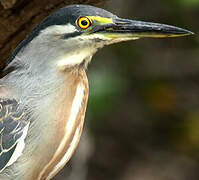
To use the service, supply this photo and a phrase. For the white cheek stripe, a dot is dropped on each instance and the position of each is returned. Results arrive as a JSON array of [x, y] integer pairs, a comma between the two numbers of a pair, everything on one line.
[[76, 106], [59, 29], [81, 54]]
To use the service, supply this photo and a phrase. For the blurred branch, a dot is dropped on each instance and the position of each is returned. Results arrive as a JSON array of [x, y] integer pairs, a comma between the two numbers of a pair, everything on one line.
[[7, 4]]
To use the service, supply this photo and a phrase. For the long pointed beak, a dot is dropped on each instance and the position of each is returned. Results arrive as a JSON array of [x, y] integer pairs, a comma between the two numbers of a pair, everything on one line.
[[124, 28]]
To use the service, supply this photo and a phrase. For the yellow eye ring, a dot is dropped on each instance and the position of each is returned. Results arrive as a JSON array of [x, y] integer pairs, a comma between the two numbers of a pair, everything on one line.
[[83, 22]]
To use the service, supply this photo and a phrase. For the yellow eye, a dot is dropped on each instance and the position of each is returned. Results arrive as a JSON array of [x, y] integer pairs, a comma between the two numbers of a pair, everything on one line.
[[83, 22]]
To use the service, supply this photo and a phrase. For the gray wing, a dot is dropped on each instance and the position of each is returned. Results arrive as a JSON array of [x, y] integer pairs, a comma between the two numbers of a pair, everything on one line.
[[13, 129]]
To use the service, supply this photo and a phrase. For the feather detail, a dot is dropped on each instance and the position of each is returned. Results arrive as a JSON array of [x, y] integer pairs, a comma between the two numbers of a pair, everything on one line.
[[13, 131]]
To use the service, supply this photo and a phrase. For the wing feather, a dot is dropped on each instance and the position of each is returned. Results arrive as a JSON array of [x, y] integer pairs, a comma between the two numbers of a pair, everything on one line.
[[13, 130]]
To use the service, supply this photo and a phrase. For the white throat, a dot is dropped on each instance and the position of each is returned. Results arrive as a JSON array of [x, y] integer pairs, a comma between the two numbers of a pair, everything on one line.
[[76, 58]]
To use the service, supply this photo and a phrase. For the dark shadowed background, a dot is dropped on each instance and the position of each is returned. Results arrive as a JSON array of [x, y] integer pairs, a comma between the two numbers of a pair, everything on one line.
[[142, 121]]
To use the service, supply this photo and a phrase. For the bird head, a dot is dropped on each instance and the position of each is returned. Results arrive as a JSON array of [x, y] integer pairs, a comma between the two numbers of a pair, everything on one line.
[[70, 36]]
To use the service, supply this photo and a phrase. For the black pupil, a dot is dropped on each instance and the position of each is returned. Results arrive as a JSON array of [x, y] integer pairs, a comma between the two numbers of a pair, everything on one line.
[[84, 23]]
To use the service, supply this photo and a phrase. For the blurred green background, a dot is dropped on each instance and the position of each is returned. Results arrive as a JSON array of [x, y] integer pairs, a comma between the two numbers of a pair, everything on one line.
[[142, 121]]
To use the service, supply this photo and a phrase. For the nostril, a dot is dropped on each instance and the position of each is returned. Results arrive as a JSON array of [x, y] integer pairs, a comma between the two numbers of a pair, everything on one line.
[[121, 21]]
